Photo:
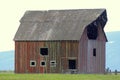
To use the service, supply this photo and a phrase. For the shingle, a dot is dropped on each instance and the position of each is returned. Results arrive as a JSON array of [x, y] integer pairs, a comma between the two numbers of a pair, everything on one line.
[[56, 24]]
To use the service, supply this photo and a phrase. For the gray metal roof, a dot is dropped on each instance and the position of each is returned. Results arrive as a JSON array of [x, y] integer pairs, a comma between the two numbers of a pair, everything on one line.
[[55, 24]]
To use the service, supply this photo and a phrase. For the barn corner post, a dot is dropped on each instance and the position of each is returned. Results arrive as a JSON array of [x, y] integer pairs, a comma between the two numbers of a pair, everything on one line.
[[61, 41]]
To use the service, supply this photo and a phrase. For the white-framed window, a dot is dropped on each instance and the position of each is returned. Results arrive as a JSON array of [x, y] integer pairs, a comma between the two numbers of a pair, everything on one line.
[[53, 63], [32, 63], [43, 63]]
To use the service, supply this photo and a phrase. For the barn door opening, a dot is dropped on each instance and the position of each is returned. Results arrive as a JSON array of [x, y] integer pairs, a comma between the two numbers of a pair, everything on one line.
[[72, 64]]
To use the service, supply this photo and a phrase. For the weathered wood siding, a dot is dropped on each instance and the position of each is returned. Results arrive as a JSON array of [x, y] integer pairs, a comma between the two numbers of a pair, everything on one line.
[[61, 51], [82, 60], [87, 62]]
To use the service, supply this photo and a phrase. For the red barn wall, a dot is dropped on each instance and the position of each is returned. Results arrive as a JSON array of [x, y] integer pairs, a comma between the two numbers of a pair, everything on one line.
[[61, 51]]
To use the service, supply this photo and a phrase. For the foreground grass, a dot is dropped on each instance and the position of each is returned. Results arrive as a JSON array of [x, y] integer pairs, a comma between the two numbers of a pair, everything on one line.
[[13, 76]]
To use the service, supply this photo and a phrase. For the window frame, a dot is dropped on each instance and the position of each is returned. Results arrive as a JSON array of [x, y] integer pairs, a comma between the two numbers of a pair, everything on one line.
[[53, 64], [41, 63], [31, 63]]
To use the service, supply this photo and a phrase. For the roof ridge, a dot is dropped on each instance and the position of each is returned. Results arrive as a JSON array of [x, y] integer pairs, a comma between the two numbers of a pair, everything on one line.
[[64, 9]]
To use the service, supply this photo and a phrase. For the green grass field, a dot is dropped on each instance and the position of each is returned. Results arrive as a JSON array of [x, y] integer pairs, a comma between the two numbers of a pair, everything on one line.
[[12, 76]]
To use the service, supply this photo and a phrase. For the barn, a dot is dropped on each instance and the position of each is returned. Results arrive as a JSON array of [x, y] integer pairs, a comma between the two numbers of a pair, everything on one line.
[[61, 41]]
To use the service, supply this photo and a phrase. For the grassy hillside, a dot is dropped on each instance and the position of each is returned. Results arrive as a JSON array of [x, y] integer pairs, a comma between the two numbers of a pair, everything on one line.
[[58, 77]]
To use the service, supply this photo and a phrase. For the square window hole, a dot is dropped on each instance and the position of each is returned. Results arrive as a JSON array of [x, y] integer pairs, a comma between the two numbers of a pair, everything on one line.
[[44, 51]]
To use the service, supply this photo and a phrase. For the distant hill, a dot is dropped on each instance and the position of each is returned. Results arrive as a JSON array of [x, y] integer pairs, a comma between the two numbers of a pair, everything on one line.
[[7, 60], [112, 54], [113, 50]]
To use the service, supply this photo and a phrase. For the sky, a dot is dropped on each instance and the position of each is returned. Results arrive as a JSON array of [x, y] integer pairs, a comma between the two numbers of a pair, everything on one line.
[[11, 12]]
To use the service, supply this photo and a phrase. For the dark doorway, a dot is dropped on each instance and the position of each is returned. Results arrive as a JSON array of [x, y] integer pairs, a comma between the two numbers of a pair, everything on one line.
[[72, 64]]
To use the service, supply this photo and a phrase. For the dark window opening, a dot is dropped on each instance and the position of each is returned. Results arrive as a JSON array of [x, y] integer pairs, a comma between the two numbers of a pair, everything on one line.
[[92, 32], [32, 63], [94, 52], [44, 51], [52, 63], [43, 63], [72, 64]]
